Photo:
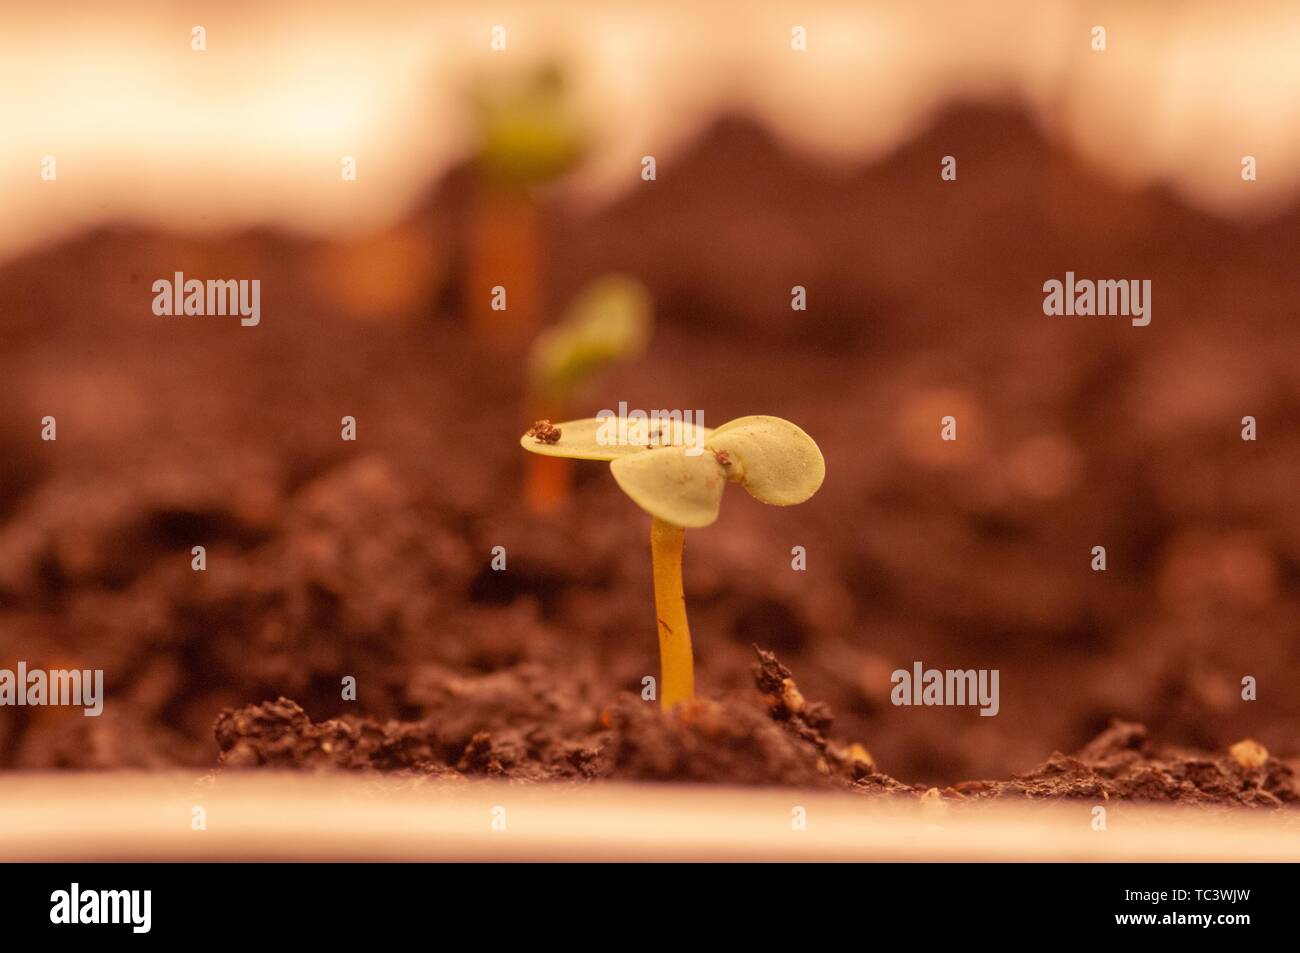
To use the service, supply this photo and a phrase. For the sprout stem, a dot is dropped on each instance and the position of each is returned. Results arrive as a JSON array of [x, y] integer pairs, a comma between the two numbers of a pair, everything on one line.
[[549, 483], [505, 250], [677, 665]]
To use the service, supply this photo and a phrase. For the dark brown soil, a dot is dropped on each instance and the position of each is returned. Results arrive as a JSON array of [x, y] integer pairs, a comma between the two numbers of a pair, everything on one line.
[[1122, 763], [517, 724], [371, 559], [512, 725]]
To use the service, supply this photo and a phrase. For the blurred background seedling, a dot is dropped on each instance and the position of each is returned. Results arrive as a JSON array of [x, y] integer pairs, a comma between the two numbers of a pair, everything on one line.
[[527, 135], [611, 321]]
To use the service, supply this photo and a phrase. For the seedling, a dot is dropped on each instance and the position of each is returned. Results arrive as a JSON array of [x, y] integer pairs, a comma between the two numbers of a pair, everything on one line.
[[664, 470], [610, 321], [526, 136]]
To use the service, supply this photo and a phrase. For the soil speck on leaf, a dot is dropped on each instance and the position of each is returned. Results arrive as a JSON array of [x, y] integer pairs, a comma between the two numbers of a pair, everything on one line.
[[543, 431]]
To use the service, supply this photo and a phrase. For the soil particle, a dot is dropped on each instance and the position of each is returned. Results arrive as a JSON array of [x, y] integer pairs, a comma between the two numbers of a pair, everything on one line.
[[776, 683], [543, 431], [1249, 754]]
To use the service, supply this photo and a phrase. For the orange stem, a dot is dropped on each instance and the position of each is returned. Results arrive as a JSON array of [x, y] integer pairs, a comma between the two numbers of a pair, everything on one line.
[[676, 661]]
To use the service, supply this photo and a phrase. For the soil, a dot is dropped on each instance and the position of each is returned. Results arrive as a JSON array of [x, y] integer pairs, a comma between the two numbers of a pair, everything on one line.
[[513, 726], [370, 559]]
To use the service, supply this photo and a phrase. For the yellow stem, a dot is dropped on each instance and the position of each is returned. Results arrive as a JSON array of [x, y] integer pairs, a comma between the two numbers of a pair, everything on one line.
[[677, 666]]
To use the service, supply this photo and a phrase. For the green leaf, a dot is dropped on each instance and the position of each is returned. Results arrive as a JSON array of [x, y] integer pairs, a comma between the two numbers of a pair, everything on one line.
[[609, 321], [526, 127], [673, 485], [777, 462]]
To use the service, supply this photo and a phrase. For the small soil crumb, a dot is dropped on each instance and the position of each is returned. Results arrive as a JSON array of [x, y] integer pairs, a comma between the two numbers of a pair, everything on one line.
[[543, 431], [1250, 754], [1122, 763], [809, 721]]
